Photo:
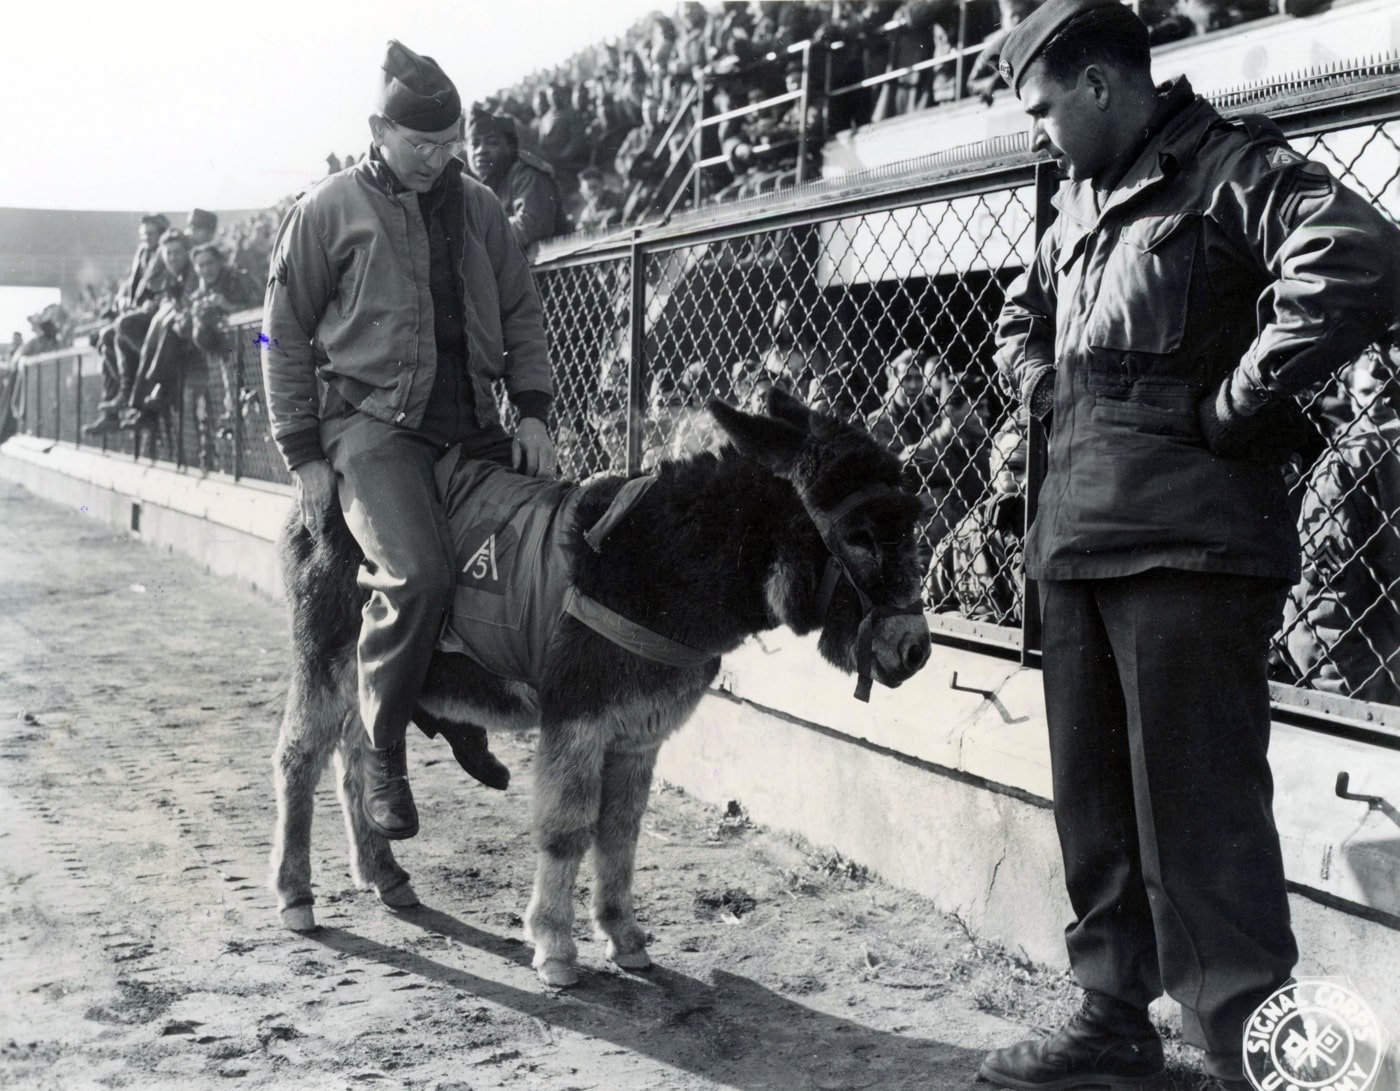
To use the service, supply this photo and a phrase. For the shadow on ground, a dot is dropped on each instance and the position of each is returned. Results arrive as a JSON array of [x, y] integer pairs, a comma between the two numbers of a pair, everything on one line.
[[729, 1029]]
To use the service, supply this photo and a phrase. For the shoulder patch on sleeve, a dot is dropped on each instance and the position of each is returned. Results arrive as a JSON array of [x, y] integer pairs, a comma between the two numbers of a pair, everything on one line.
[[1280, 156]]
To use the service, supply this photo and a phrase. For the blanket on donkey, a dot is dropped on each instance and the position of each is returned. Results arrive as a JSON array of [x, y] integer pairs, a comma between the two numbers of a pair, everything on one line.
[[513, 570], [515, 580]]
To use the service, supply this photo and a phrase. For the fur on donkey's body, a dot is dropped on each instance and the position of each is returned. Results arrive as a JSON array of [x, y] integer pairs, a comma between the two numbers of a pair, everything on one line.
[[722, 546]]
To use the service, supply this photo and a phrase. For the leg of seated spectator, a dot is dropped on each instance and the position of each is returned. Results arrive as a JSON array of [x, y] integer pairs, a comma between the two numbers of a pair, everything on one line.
[[130, 336], [228, 378], [111, 369], [196, 401], [152, 381]]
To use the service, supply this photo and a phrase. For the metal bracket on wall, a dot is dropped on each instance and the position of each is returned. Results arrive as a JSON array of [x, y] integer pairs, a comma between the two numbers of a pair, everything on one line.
[[1374, 803]]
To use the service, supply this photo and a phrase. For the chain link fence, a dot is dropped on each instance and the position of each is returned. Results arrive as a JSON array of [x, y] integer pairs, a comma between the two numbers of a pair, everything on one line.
[[875, 299]]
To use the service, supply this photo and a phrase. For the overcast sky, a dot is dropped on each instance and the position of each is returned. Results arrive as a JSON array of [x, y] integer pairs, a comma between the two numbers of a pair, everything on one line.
[[172, 104]]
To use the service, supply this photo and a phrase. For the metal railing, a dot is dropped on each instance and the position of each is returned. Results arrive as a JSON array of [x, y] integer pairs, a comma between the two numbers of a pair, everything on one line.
[[876, 297], [217, 422]]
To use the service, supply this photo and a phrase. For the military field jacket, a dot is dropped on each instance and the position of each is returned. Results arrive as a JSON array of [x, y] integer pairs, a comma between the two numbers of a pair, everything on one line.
[[528, 191], [1221, 251], [348, 300]]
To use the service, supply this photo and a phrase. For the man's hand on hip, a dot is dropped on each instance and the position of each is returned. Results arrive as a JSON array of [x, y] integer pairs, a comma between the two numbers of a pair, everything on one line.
[[532, 451], [316, 492], [1269, 434]]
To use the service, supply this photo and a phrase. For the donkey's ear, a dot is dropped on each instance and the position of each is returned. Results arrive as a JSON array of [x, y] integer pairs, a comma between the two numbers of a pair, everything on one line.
[[773, 442], [787, 407]]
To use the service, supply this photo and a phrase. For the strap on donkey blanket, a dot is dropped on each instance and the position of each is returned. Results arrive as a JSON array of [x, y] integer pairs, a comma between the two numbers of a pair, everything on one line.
[[612, 626]]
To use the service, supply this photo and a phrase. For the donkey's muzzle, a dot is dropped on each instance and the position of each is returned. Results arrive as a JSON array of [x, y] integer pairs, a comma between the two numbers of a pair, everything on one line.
[[901, 647]]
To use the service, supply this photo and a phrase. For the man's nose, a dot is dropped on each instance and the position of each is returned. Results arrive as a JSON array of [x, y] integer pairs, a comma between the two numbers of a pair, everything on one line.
[[1039, 141]]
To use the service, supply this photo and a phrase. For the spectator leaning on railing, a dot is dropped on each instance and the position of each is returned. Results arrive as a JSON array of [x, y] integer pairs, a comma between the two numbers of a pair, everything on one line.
[[223, 290]]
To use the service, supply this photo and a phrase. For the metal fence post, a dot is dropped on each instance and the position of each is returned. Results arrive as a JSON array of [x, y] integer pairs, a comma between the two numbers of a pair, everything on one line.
[[58, 399], [636, 407], [802, 111], [1037, 449], [78, 401], [699, 151], [235, 399]]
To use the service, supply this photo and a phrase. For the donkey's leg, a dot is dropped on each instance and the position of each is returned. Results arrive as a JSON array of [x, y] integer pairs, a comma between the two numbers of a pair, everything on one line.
[[568, 772], [309, 730], [626, 784], [372, 860]]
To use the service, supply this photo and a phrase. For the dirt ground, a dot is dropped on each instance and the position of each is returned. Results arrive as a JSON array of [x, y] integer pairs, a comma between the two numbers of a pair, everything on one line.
[[140, 947]]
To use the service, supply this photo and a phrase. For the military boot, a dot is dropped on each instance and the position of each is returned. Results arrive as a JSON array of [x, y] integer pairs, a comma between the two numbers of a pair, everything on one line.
[[387, 800], [470, 748], [1106, 1043]]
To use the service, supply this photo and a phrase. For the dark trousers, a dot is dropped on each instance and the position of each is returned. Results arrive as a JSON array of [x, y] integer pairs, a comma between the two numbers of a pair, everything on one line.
[[385, 481], [120, 346], [163, 358], [1157, 699]]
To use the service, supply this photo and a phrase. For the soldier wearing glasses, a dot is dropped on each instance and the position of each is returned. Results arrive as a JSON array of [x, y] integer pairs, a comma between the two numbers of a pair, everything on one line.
[[398, 294]]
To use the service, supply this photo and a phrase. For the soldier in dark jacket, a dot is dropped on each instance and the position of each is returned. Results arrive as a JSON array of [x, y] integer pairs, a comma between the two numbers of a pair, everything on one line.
[[1163, 543], [522, 181]]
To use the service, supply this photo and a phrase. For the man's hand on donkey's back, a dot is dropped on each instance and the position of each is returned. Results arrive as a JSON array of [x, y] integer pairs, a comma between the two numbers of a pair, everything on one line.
[[316, 492], [532, 451]]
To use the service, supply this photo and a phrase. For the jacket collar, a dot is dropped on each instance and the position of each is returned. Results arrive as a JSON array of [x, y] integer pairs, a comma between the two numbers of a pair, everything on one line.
[[1171, 140], [382, 175], [379, 172]]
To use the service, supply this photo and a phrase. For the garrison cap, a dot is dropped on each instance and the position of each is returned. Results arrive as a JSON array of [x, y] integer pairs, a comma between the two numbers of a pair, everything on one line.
[[202, 220], [1027, 38], [157, 218], [482, 121], [416, 93]]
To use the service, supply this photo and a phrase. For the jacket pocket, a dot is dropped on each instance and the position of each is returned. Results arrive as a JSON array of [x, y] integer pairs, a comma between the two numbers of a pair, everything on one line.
[[1145, 289], [1151, 410], [352, 276]]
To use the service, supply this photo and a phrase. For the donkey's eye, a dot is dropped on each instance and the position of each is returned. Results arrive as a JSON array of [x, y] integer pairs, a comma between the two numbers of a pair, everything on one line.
[[862, 539]]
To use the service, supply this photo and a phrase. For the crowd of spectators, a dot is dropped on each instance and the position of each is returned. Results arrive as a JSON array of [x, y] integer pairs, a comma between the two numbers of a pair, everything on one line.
[[163, 328], [600, 119]]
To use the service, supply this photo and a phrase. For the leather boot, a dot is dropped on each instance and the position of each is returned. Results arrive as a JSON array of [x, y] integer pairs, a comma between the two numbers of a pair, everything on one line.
[[473, 753], [469, 747], [387, 800], [1105, 1044]]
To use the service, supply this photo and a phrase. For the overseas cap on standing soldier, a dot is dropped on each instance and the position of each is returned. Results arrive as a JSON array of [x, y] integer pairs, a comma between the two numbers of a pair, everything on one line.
[[1028, 38]]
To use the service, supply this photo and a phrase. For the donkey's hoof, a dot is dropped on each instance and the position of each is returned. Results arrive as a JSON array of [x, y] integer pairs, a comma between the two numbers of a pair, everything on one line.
[[557, 973], [630, 960], [400, 897], [299, 918]]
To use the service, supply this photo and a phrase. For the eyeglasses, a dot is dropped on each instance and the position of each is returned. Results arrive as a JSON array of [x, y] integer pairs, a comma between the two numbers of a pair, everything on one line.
[[432, 154]]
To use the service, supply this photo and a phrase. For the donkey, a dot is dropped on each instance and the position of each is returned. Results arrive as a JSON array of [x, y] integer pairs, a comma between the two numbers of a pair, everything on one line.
[[799, 520]]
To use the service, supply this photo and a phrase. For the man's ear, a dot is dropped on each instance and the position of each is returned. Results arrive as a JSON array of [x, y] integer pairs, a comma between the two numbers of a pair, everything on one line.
[[1096, 80]]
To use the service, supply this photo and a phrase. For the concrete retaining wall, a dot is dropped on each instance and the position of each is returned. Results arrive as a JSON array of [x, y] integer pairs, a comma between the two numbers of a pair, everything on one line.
[[938, 789]]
